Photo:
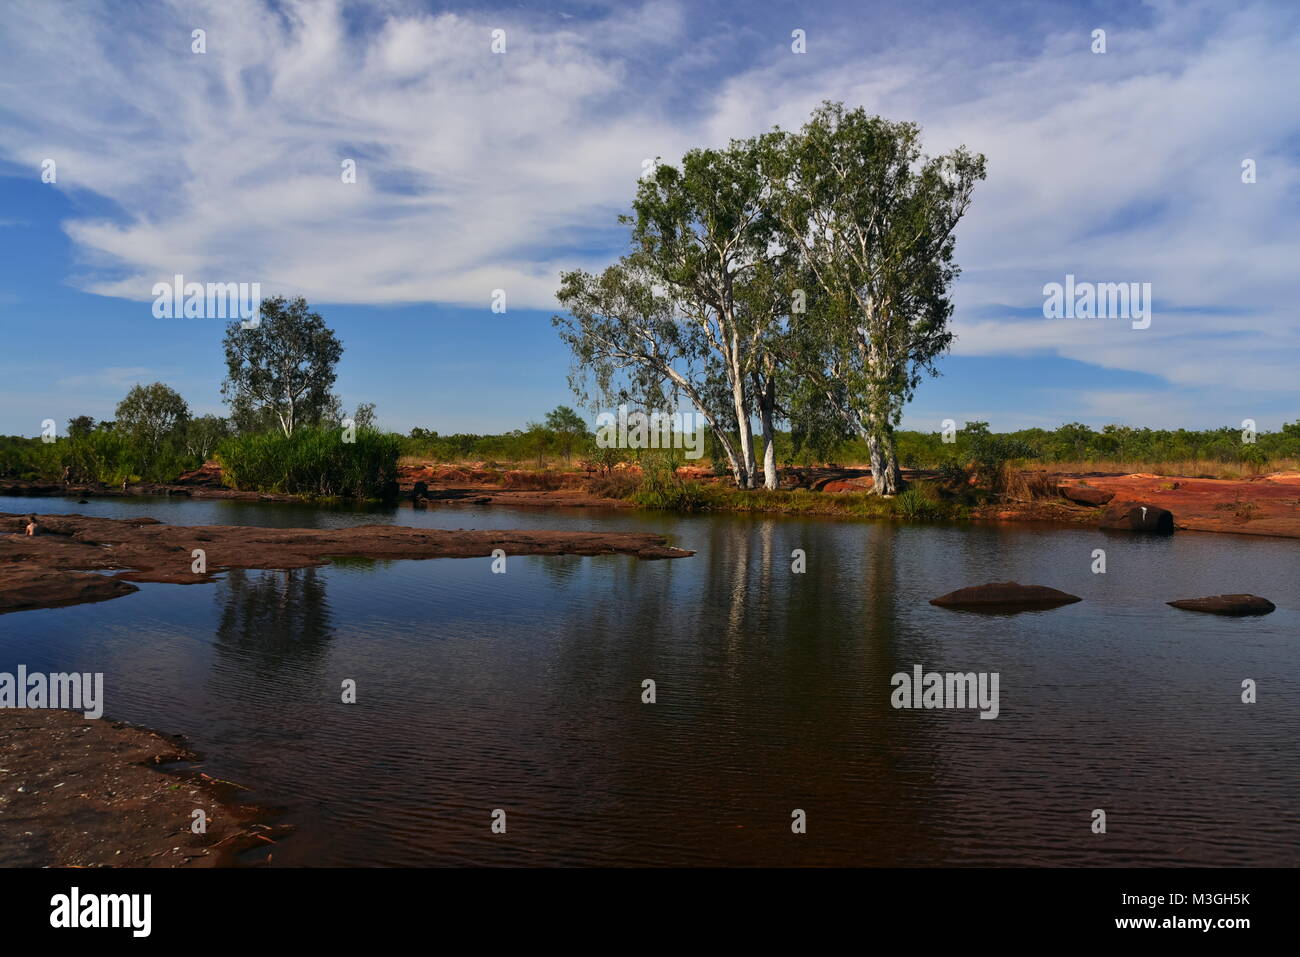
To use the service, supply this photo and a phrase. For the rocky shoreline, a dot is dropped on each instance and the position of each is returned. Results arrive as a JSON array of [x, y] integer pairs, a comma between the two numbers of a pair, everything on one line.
[[1266, 505], [58, 565], [98, 793]]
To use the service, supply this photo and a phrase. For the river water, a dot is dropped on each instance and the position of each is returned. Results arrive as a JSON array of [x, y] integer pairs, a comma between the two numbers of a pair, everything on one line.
[[523, 692]]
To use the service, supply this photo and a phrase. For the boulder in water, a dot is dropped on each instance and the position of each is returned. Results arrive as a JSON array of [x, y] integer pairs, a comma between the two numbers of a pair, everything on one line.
[[1235, 605], [1005, 596]]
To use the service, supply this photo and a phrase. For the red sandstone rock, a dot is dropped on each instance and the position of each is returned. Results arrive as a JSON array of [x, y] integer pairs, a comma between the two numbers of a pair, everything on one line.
[[1086, 494]]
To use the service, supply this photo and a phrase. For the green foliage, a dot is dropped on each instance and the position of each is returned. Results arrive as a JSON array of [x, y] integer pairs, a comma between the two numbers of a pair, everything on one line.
[[28, 459], [103, 455], [149, 441], [150, 413], [847, 505], [992, 453], [606, 458], [201, 435], [1079, 444], [112, 458], [80, 425], [872, 221], [1254, 456], [314, 462], [282, 369], [951, 472], [364, 417], [798, 275]]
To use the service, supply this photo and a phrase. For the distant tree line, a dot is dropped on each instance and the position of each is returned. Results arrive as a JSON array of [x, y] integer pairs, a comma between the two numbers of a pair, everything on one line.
[[972, 444]]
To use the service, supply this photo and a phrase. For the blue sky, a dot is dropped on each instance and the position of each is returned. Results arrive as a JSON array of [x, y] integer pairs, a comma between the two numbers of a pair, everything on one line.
[[478, 171]]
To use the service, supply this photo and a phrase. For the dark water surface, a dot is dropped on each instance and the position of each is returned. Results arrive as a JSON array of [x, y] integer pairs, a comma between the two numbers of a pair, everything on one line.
[[522, 691]]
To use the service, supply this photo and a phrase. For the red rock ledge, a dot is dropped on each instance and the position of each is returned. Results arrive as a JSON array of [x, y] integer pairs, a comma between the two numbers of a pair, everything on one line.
[[57, 566]]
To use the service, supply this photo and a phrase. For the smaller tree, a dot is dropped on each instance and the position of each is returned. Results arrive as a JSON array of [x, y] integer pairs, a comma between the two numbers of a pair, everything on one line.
[[152, 419], [80, 426], [364, 417], [152, 414], [569, 428], [282, 367], [536, 440]]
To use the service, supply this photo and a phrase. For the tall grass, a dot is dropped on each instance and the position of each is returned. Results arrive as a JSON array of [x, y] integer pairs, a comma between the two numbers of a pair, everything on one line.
[[919, 504], [312, 462], [662, 487]]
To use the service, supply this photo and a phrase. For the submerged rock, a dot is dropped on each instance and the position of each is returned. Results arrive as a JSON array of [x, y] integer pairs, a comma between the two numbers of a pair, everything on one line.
[[32, 587], [1005, 596], [1136, 517], [1226, 605]]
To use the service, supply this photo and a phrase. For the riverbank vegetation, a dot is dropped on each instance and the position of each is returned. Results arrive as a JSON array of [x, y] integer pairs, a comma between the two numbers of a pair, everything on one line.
[[321, 464], [153, 438]]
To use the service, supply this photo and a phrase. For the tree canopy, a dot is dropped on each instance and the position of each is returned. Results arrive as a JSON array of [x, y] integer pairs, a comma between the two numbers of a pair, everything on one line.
[[150, 414], [282, 369], [798, 276]]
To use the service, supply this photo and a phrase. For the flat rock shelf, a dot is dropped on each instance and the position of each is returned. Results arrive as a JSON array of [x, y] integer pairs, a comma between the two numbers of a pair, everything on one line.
[[58, 565]]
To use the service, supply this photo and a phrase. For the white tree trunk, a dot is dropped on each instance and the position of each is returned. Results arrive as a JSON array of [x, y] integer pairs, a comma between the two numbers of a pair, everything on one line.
[[742, 420], [767, 402]]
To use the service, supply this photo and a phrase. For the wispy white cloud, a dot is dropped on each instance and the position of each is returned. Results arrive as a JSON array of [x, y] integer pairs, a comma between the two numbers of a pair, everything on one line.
[[479, 171]]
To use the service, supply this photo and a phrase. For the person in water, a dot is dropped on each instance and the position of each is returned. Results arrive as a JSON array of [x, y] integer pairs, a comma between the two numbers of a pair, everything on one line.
[[32, 527]]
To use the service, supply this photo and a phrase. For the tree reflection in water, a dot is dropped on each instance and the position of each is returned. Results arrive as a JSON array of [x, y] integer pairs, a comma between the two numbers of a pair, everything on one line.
[[274, 619]]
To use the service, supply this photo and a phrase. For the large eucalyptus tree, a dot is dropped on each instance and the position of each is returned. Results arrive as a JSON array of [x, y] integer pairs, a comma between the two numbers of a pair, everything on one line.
[[703, 232], [797, 276], [872, 221]]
